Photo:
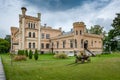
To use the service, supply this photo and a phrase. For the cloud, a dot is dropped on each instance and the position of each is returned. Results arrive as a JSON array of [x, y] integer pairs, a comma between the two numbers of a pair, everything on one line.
[[92, 12]]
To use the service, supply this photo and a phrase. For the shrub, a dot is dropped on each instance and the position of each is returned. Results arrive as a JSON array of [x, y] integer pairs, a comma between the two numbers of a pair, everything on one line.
[[20, 52], [36, 55], [61, 56], [30, 54], [20, 58], [26, 53]]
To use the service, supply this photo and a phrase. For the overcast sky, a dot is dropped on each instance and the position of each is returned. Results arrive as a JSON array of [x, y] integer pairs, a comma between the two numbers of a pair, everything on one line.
[[59, 13]]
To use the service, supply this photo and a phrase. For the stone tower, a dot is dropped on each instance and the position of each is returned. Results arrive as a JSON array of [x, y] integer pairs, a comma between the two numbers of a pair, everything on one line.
[[79, 30], [29, 31]]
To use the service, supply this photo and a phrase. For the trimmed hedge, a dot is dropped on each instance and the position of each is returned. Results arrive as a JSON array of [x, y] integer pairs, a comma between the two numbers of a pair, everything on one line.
[[30, 54], [36, 55], [20, 52]]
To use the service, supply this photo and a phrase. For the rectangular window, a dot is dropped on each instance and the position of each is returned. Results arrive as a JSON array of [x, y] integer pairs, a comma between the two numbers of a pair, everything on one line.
[[47, 36], [81, 43], [57, 44], [42, 45], [92, 43], [76, 32], [33, 45], [80, 32], [42, 35], [71, 43], [64, 42], [47, 46]]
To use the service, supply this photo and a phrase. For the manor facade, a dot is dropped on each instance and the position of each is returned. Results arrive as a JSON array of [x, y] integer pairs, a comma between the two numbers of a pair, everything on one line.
[[32, 35]]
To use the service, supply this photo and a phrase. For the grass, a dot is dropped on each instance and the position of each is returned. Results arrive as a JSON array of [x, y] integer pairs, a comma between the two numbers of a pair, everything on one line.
[[102, 67]]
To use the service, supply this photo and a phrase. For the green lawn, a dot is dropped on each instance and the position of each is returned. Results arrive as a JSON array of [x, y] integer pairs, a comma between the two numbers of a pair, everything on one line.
[[103, 67]]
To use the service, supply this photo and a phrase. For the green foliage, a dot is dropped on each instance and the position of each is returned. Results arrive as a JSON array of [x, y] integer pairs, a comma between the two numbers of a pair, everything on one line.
[[116, 25], [20, 58], [61, 56], [107, 67], [20, 52], [4, 46], [36, 55], [96, 29], [8, 38], [30, 54], [26, 53]]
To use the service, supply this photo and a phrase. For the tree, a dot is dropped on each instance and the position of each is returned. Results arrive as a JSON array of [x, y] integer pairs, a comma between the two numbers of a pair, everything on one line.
[[26, 53], [116, 26], [36, 55], [4, 46], [21, 52], [30, 54], [114, 32], [8, 38], [96, 29]]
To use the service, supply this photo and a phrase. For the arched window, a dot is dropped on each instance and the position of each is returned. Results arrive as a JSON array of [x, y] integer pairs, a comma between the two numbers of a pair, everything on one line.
[[76, 32], [29, 34], [71, 43], [33, 34], [29, 25], [80, 32], [75, 43], [29, 45], [81, 43], [33, 45], [34, 25]]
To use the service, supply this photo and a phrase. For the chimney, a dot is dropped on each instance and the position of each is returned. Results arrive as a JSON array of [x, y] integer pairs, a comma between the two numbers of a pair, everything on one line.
[[39, 15], [60, 29], [23, 11], [45, 25]]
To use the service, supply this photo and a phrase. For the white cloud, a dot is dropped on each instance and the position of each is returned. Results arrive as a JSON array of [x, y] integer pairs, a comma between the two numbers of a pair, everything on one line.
[[90, 13], [86, 13]]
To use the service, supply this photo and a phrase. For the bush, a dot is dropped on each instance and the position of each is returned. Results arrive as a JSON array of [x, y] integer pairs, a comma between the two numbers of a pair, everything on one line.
[[30, 54], [20, 58], [36, 55], [26, 53], [20, 52], [61, 56]]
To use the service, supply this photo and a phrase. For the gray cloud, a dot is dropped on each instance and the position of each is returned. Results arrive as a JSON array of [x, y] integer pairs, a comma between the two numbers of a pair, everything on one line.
[[90, 12]]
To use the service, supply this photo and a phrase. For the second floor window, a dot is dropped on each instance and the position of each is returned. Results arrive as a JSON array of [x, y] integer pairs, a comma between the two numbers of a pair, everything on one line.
[[29, 25], [47, 36], [29, 34], [81, 43], [75, 43], [64, 42], [42, 45], [71, 43], [80, 32], [33, 34], [76, 32], [57, 44], [42, 35]]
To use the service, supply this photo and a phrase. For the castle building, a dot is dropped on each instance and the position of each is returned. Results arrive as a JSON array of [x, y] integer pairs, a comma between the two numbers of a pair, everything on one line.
[[32, 35]]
